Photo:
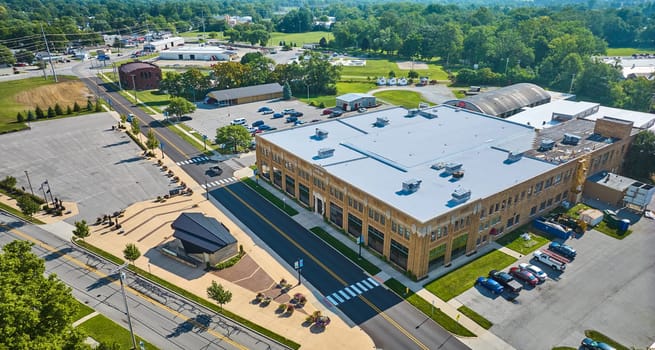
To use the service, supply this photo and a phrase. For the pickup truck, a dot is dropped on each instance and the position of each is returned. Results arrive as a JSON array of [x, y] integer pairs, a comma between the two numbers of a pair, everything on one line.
[[548, 260], [506, 280], [563, 250]]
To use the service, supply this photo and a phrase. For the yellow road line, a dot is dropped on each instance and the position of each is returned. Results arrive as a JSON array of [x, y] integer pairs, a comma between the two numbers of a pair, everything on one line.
[[128, 288], [329, 271]]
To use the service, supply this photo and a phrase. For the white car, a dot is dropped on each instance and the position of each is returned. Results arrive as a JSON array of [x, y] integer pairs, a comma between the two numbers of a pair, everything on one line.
[[535, 270]]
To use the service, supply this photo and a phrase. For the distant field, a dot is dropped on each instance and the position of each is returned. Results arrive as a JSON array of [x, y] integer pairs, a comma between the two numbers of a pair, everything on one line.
[[404, 98], [299, 38], [627, 51], [381, 67]]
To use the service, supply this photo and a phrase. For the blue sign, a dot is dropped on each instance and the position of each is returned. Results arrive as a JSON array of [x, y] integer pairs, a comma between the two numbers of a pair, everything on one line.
[[204, 137], [161, 145]]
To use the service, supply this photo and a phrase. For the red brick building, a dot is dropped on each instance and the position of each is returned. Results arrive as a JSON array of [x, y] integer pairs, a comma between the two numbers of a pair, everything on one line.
[[139, 75]]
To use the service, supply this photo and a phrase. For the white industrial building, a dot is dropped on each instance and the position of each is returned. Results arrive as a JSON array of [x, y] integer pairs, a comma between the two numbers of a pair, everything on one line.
[[163, 44], [198, 53], [353, 101]]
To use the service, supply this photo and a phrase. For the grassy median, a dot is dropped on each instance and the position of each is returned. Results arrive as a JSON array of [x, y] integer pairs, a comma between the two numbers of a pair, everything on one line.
[[475, 317]]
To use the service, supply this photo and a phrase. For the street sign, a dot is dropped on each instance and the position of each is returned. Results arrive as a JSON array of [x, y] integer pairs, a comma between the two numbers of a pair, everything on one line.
[[161, 145], [204, 137], [142, 345]]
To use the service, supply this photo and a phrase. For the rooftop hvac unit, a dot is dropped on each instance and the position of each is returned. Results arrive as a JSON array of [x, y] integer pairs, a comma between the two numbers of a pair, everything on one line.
[[413, 112], [453, 167], [325, 152], [546, 145], [461, 194], [411, 185], [438, 166], [570, 139], [321, 134], [381, 122], [514, 156]]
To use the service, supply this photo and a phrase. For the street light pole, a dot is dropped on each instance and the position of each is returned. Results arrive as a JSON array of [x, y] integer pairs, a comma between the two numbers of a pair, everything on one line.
[[298, 265], [29, 182], [134, 87], [127, 310]]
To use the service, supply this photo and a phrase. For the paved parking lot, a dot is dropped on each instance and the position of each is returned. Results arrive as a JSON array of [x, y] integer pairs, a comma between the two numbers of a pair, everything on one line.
[[84, 161], [609, 288], [208, 118]]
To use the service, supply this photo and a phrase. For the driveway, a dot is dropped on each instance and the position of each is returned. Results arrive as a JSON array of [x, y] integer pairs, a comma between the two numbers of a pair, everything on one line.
[[609, 288]]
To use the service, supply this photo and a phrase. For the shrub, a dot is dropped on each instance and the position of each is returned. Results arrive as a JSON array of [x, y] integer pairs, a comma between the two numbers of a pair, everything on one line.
[[312, 103], [98, 106], [76, 107], [19, 117], [39, 112], [69, 110], [89, 105], [321, 105], [51, 112], [58, 110], [282, 308], [30, 116]]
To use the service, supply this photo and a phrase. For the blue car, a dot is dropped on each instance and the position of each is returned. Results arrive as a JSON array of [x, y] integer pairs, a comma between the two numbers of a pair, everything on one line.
[[278, 115], [264, 109], [490, 284], [563, 250], [265, 127], [590, 344]]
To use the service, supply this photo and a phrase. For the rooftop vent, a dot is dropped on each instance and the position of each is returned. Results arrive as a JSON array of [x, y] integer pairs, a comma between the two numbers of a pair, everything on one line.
[[423, 105], [321, 134], [453, 167], [514, 156], [461, 194], [381, 122], [411, 185], [438, 166], [571, 139], [412, 112], [325, 152], [546, 145]]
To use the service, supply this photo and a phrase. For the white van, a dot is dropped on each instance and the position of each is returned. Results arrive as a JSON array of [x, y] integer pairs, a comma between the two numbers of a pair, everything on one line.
[[239, 121]]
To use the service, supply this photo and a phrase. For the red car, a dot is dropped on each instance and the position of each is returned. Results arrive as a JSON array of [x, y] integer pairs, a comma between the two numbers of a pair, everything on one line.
[[327, 111], [524, 276]]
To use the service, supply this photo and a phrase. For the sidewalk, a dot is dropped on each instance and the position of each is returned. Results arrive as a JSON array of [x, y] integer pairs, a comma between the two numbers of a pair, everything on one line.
[[484, 340]]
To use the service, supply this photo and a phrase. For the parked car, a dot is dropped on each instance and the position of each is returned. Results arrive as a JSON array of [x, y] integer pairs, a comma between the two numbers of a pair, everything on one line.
[[278, 115], [251, 130], [506, 280], [130, 117], [361, 110], [185, 118], [299, 122], [296, 114], [590, 344], [490, 284], [288, 111], [292, 119], [215, 171], [327, 111], [524, 275], [563, 250], [265, 127], [335, 114], [264, 109], [268, 112], [546, 259], [534, 270], [239, 121], [257, 123]]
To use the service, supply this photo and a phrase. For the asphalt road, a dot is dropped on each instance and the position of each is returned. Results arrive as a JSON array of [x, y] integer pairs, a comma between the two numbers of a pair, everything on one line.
[[162, 318], [391, 322]]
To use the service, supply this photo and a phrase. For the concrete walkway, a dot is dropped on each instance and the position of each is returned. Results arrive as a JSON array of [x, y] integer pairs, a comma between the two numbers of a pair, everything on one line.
[[484, 340], [85, 318]]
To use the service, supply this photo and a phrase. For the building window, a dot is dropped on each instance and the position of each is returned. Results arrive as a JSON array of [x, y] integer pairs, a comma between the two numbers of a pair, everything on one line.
[[459, 246], [510, 222], [542, 206], [522, 195], [533, 210], [558, 179], [558, 197], [433, 236], [538, 187], [529, 191], [375, 239], [336, 214], [550, 202], [398, 254], [303, 194], [354, 225], [290, 185], [549, 183], [277, 177]]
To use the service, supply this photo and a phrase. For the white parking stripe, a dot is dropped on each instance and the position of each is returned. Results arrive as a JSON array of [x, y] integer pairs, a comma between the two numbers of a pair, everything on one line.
[[361, 286], [350, 292], [356, 289], [365, 282], [373, 281], [332, 301], [343, 294], [336, 296]]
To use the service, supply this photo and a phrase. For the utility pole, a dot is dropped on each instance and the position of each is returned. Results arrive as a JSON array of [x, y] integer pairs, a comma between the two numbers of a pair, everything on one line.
[[204, 36], [127, 310], [29, 182], [47, 48], [136, 103], [572, 80]]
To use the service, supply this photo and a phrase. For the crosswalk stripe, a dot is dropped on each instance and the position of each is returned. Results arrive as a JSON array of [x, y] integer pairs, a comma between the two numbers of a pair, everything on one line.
[[373, 281], [355, 289], [204, 186], [361, 286], [232, 179], [221, 181], [332, 301], [336, 296], [350, 292], [365, 282], [343, 294]]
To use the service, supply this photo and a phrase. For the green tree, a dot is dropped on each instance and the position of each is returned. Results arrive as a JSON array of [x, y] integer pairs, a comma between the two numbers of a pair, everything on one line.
[[639, 162], [6, 57], [38, 309], [136, 128], [151, 140], [195, 83], [30, 116], [27, 205], [8, 183], [89, 105], [19, 117], [76, 107], [172, 84], [39, 112], [98, 106], [51, 112], [286, 91], [179, 106], [219, 294], [123, 119], [24, 56], [234, 136], [131, 252], [58, 110], [69, 110], [81, 229]]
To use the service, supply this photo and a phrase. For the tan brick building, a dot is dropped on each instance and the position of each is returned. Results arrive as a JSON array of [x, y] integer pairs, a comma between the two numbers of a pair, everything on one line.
[[423, 187]]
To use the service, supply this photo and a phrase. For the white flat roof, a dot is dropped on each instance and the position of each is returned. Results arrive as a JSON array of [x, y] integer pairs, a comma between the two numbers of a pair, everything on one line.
[[198, 49], [377, 159], [541, 116], [640, 119]]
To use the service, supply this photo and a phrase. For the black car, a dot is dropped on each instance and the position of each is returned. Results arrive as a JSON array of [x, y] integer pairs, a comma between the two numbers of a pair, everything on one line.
[[296, 114], [335, 114], [563, 250], [506, 280], [215, 171]]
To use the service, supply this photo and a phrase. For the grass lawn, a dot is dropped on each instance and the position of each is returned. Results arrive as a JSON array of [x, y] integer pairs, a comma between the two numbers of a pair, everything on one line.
[[18, 213], [381, 67], [82, 310], [436, 314], [106, 331], [457, 281], [153, 99], [299, 38], [602, 227], [515, 242], [346, 251], [626, 51], [475, 317], [271, 197], [406, 98], [598, 336]]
